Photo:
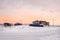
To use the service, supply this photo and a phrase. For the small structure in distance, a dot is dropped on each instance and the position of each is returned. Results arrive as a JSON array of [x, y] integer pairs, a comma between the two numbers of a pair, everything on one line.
[[7, 24], [17, 24], [39, 23]]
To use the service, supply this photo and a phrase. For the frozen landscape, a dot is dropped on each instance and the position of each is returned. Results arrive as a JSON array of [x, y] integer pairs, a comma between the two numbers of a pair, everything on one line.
[[29, 33]]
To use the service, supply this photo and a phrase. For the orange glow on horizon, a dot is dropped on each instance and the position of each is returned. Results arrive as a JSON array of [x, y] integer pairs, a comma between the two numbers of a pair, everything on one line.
[[27, 20], [22, 20]]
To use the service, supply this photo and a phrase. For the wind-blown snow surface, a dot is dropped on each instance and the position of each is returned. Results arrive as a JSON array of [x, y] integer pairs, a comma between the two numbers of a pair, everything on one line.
[[29, 33]]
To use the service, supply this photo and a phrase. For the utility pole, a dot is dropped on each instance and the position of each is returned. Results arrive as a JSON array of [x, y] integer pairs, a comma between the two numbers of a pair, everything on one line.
[[53, 22]]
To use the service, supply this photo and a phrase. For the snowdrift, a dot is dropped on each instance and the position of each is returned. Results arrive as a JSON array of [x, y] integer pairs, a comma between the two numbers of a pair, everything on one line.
[[29, 33]]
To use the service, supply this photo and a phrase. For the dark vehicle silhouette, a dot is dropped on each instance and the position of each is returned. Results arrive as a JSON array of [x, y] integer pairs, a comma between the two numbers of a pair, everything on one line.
[[7, 24], [36, 25], [17, 24]]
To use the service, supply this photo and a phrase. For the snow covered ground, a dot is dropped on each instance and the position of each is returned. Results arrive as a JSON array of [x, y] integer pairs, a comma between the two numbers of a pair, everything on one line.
[[29, 33]]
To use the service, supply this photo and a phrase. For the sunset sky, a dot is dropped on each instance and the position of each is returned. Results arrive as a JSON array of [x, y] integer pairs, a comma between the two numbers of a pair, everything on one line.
[[25, 11]]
